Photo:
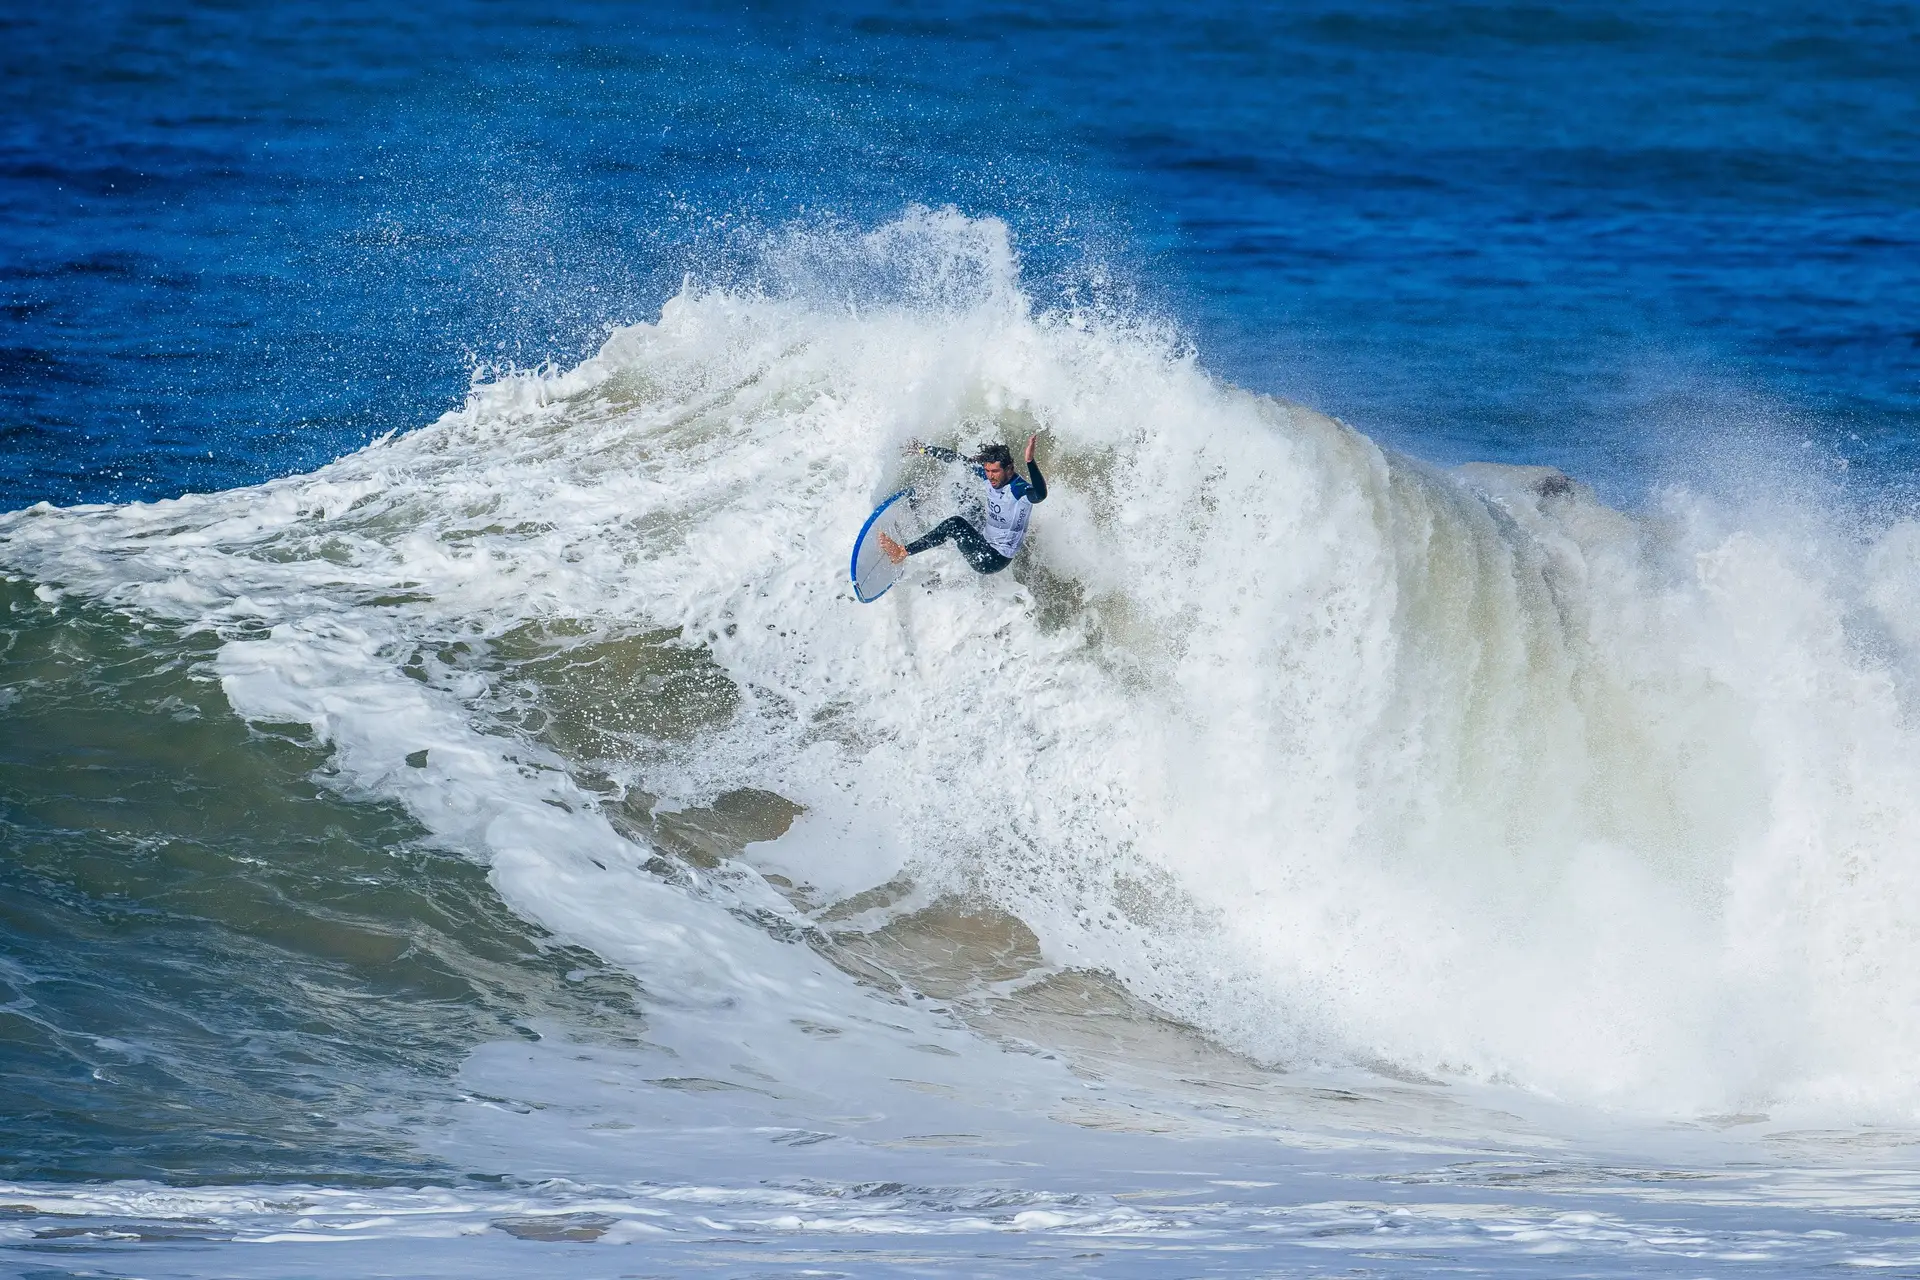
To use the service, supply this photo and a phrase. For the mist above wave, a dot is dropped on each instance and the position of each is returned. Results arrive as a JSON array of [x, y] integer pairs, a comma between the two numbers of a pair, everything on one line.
[[1322, 751]]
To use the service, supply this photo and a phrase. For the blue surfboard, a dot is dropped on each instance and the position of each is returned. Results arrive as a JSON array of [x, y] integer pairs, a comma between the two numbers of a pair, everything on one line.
[[872, 572]]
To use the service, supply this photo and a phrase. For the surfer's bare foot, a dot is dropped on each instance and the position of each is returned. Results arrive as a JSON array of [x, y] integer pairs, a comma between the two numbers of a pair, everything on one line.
[[895, 552]]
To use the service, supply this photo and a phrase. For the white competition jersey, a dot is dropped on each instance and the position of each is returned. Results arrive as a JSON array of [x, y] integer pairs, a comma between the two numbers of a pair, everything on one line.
[[1008, 512]]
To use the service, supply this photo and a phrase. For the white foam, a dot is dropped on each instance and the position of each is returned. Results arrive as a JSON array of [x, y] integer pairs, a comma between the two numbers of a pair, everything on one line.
[[1326, 753]]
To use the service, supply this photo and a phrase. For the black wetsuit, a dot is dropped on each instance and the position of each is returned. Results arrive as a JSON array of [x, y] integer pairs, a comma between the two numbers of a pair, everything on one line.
[[967, 539], [965, 536]]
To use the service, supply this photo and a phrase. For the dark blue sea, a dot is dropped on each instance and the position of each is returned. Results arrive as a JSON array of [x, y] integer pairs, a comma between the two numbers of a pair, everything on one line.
[[242, 240], [1438, 788]]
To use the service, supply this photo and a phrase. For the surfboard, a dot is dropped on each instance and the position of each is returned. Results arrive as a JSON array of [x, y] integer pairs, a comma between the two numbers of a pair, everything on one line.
[[872, 571]]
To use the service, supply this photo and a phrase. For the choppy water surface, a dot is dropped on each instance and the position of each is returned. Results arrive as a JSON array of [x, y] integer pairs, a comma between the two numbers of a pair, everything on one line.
[[1474, 832], [242, 242]]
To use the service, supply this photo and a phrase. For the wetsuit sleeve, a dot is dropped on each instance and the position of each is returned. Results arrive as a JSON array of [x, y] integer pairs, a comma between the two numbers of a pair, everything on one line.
[[948, 455], [1036, 483]]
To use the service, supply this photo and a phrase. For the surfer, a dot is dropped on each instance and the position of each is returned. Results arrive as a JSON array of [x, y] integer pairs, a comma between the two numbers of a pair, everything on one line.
[[1009, 507]]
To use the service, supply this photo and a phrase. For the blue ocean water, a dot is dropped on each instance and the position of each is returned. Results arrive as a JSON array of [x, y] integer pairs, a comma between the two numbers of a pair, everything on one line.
[[241, 240], [453, 819]]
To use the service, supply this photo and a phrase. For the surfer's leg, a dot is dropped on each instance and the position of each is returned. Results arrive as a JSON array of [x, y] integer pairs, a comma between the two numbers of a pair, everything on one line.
[[967, 539], [936, 535], [979, 553]]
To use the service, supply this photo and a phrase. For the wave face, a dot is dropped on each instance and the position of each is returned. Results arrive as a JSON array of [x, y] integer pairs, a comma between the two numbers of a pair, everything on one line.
[[1333, 756]]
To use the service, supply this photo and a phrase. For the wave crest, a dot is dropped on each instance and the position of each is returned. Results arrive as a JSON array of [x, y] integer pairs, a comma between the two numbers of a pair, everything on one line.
[[1323, 751]]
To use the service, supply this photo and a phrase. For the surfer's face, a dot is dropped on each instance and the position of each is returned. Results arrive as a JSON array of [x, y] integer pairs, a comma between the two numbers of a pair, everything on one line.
[[998, 473]]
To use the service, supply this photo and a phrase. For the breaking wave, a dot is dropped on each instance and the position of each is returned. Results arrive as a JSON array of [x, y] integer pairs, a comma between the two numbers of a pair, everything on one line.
[[1327, 753]]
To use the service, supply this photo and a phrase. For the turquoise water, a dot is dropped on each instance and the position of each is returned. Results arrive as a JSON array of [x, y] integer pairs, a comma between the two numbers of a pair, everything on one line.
[[216, 968]]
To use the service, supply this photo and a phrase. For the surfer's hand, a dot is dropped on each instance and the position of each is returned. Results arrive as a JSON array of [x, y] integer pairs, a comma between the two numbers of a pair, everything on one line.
[[913, 446], [1030, 440]]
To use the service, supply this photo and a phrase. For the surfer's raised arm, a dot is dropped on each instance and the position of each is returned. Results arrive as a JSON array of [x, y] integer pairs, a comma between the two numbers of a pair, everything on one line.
[[1036, 483]]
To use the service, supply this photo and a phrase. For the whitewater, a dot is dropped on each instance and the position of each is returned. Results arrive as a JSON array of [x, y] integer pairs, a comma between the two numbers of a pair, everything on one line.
[[1303, 857]]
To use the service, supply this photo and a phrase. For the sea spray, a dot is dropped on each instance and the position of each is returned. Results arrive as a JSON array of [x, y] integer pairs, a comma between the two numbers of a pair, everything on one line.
[[1329, 754]]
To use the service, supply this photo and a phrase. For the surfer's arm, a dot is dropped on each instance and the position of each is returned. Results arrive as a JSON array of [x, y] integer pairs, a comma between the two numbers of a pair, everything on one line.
[[1036, 483], [948, 455]]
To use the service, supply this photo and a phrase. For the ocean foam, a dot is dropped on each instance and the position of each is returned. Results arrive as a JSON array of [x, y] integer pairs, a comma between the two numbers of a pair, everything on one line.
[[1328, 754]]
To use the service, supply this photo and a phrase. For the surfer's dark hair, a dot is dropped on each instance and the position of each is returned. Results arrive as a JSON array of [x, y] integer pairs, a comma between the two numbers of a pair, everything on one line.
[[994, 453]]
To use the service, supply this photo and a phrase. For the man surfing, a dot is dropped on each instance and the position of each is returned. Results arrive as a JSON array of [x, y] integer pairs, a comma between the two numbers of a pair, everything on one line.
[[1010, 502]]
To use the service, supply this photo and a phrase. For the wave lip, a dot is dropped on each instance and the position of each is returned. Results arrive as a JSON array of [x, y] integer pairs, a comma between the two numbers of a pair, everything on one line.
[[1328, 754]]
